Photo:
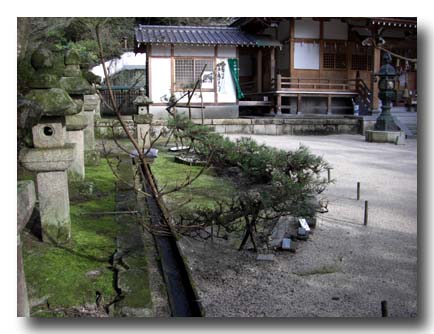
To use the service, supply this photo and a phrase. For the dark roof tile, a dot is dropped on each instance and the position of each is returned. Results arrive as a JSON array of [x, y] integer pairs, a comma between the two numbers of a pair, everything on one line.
[[200, 35]]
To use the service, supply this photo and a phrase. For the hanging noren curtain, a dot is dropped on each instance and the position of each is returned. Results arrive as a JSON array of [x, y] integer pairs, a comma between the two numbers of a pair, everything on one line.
[[234, 68]]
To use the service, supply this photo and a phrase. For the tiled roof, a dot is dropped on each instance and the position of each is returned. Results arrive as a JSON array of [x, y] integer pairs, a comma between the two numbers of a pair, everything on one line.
[[198, 35]]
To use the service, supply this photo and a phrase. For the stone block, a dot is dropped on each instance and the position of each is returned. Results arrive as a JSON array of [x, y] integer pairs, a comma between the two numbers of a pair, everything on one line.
[[265, 129], [54, 206], [279, 232], [76, 122], [89, 131], [47, 159], [144, 135], [286, 244], [54, 101], [72, 71], [206, 121], [77, 166], [72, 57], [382, 136], [75, 85], [241, 129], [400, 140], [304, 225], [143, 119], [49, 133], [271, 129], [26, 199], [91, 102], [219, 128]]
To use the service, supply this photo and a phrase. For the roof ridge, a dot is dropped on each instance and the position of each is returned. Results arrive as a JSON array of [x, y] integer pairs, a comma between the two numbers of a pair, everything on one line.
[[187, 27]]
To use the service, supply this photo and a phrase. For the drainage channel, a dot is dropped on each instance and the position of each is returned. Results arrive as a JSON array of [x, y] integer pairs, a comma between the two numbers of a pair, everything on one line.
[[182, 297]]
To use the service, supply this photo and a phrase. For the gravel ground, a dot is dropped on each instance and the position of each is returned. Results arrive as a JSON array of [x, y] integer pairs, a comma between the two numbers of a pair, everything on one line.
[[345, 269]]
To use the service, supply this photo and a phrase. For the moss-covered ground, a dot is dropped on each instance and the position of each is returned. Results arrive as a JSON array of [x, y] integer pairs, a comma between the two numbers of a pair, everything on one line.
[[204, 191], [63, 274]]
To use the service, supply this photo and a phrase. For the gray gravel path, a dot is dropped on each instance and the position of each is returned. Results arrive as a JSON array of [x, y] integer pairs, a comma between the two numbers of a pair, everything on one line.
[[345, 269]]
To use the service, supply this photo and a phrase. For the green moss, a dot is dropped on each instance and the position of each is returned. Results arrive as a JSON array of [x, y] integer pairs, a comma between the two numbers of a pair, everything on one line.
[[42, 58], [54, 101], [203, 192], [92, 158], [137, 294], [59, 272], [75, 85], [72, 57]]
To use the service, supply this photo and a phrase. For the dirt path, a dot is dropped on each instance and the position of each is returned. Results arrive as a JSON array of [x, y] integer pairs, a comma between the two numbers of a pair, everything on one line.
[[345, 269]]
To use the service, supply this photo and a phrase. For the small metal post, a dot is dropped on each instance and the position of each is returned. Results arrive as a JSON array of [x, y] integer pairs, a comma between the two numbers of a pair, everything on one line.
[[365, 221], [328, 175], [384, 312], [358, 190]]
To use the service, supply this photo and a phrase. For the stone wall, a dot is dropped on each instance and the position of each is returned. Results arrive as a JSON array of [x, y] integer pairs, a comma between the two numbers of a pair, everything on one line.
[[306, 125], [209, 112], [104, 126]]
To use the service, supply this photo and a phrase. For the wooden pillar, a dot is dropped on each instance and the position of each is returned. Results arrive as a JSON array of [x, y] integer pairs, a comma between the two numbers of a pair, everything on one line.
[[298, 104], [321, 47], [278, 96], [172, 69], [376, 63], [291, 48], [259, 71], [329, 105], [214, 71], [272, 64], [148, 71]]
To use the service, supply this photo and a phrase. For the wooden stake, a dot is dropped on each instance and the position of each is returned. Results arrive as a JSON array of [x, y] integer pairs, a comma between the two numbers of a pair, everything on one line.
[[365, 221], [358, 190], [384, 312], [328, 175]]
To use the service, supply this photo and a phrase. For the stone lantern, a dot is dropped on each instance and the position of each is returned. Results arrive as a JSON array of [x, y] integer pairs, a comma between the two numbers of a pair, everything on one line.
[[74, 83], [385, 129], [143, 120], [91, 109], [51, 156], [142, 102]]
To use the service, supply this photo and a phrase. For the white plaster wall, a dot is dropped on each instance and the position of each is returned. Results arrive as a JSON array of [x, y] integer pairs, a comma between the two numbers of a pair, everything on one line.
[[335, 29], [306, 28], [227, 93], [208, 97], [160, 50], [306, 56], [227, 51], [160, 79], [195, 51]]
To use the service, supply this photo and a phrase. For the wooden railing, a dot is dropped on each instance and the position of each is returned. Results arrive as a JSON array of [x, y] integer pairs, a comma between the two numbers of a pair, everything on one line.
[[281, 85], [365, 96], [290, 83]]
